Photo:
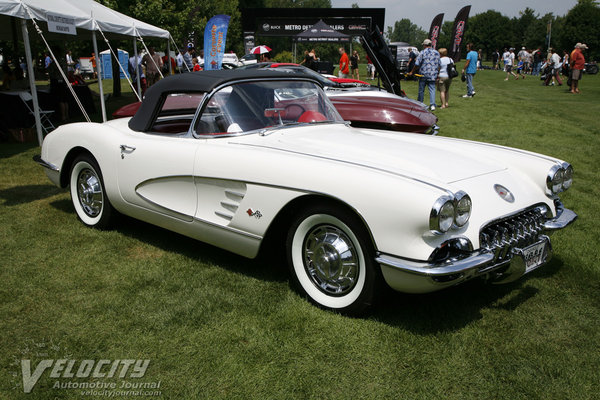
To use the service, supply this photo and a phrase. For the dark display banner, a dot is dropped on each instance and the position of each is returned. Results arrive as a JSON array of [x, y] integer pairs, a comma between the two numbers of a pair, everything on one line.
[[292, 27], [292, 21], [458, 31], [434, 30]]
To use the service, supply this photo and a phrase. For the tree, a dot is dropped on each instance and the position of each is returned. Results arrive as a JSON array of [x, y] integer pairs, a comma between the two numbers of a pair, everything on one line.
[[488, 32], [445, 38], [581, 26], [521, 24], [406, 31]]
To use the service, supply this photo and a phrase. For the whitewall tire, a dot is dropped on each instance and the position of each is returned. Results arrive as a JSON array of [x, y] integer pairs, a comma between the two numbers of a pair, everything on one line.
[[331, 260], [88, 193]]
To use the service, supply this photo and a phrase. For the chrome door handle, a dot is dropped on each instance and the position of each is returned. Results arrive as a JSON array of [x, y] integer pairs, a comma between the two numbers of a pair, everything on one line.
[[126, 149]]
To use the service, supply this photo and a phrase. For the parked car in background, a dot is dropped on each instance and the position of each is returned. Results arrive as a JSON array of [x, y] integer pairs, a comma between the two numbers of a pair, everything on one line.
[[368, 106], [231, 58], [251, 160], [591, 68], [401, 52], [249, 59], [358, 102]]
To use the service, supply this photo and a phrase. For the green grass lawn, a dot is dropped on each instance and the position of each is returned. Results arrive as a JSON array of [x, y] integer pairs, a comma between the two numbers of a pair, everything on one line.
[[215, 325]]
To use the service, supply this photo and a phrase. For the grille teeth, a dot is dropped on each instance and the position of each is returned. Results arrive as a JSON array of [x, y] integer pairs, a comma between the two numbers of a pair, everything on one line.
[[519, 230]]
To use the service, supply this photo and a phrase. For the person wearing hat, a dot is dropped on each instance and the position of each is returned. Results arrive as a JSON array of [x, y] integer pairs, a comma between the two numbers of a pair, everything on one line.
[[428, 62], [577, 63]]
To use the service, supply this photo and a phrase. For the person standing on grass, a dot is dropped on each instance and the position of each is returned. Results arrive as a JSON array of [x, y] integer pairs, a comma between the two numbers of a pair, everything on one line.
[[370, 69], [153, 63], [509, 62], [556, 65], [470, 70], [537, 61], [495, 59], [354, 59], [344, 71], [428, 62], [577, 65], [444, 80]]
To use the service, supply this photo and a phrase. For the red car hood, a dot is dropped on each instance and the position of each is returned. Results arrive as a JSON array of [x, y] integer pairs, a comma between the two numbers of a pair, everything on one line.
[[384, 112]]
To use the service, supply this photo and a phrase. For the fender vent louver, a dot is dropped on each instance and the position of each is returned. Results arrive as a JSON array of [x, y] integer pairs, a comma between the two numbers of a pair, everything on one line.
[[231, 203]]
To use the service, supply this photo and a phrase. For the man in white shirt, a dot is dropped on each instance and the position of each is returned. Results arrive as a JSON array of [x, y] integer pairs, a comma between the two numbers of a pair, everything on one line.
[[509, 62], [70, 62], [179, 60]]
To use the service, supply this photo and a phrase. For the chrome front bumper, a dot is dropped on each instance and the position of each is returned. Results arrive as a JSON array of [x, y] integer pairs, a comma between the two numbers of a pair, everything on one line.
[[38, 159], [52, 171], [421, 276]]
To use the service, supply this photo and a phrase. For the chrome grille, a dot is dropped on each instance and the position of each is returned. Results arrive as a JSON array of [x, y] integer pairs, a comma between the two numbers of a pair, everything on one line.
[[516, 231]]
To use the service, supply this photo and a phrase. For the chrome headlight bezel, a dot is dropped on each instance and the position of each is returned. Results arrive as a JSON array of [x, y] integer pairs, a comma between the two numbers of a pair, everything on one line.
[[567, 175], [441, 217], [559, 178], [462, 208]]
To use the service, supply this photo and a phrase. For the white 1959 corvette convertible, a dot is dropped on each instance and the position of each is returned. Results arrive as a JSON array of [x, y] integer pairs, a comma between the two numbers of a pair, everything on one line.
[[235, 157]]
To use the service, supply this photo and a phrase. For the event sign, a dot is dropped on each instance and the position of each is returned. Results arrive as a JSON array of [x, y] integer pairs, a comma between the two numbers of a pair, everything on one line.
[[215, 35], [61, 24], [434, 30], [458, 31]]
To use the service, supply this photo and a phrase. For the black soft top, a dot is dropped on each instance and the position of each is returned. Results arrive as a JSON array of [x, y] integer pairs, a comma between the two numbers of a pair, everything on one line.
[[202, 82]]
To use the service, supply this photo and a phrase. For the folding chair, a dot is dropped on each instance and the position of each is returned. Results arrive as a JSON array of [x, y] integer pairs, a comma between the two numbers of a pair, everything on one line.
[[47, 124]]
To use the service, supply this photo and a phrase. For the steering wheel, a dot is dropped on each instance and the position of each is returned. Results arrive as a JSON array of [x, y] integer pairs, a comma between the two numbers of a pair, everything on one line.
[[312, 116], [293, 111]]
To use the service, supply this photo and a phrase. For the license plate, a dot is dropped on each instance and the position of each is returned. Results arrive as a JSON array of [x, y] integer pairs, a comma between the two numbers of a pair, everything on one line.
[[534, 256]]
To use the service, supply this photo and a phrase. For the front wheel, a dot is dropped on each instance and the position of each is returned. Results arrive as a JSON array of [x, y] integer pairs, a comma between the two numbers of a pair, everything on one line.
[[331, 260], [88, 193]]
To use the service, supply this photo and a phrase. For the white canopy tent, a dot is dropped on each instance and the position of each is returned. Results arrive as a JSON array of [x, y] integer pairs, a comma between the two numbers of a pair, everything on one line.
[[87, 16]]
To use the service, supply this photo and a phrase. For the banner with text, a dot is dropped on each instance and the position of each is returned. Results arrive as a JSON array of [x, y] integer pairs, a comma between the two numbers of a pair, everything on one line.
[[215, 35], [458, 31], [434, 30], [61, 24]]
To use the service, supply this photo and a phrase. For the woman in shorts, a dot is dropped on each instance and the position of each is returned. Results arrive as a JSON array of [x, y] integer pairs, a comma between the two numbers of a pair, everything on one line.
[[444, 80]]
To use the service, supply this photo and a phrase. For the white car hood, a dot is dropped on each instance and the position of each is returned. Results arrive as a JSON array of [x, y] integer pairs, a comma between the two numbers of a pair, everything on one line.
[[428, 158]]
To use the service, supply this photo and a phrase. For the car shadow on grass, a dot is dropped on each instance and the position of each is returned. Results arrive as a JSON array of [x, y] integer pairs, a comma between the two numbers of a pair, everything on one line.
[[444, 311], [456, 307], [260, 268], [17, 195]]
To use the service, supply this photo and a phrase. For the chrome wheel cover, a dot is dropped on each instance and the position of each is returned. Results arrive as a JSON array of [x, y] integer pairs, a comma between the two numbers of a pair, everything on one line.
[[330, 260], [89, 192]]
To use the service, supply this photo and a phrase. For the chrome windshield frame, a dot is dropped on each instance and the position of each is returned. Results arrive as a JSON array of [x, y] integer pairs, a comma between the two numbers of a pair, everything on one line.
[[262, 131]]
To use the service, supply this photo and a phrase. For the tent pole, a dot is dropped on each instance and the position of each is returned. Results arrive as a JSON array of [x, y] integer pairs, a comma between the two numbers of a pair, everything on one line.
[[99, 72], [137, 68], [30, 74], [169, 57]]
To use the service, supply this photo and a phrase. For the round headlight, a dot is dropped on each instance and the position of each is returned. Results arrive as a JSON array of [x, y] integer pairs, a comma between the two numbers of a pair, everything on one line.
[[442, 214], [463, 209], [554, 181], [567, 176]]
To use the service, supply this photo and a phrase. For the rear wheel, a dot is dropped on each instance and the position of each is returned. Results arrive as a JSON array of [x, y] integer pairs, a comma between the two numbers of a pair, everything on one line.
[[331, 260], [88, 193]]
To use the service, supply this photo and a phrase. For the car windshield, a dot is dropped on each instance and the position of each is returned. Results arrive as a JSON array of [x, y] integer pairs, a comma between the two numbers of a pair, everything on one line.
[[260, 105]]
